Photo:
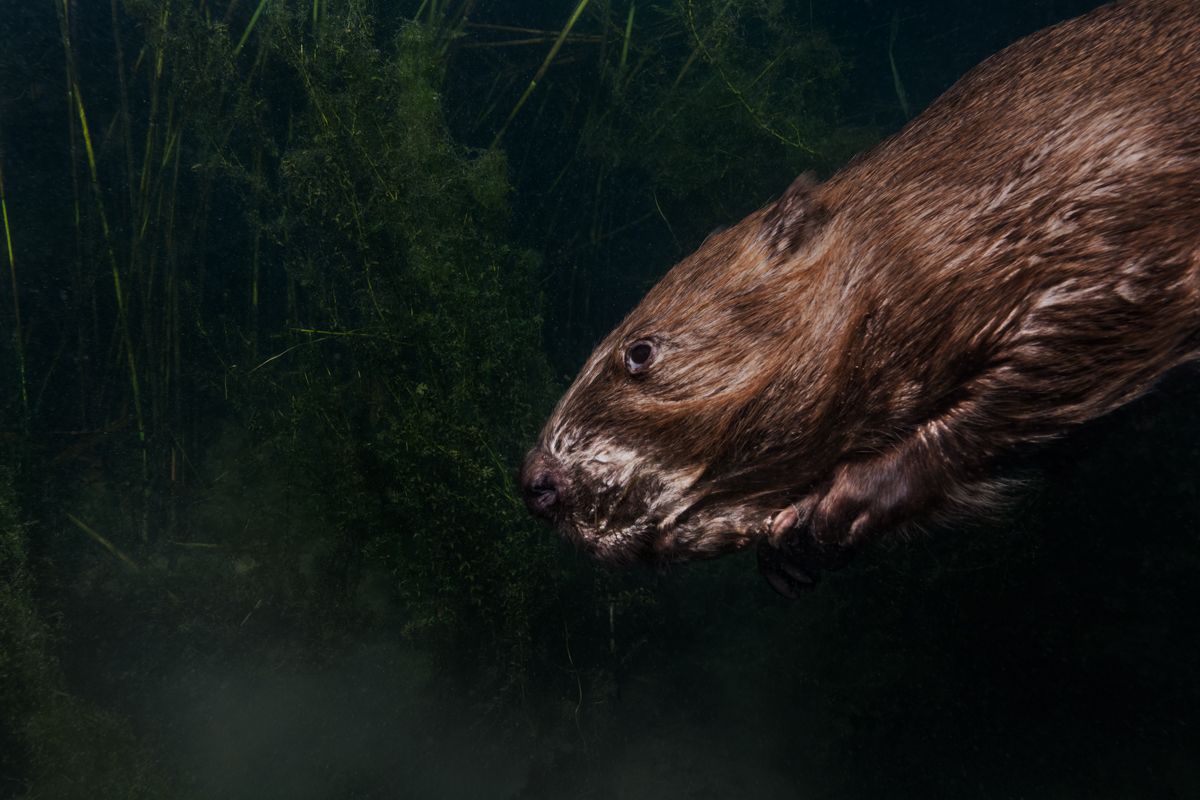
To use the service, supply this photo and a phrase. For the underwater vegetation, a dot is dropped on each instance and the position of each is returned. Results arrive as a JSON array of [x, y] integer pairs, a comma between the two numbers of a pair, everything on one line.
[[289, 286]]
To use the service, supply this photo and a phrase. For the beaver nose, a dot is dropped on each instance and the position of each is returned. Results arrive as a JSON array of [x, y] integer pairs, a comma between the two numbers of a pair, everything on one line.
[[542, 484]]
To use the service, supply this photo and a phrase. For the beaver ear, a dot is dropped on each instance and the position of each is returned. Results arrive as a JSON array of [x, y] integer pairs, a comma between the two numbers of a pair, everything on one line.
[[795, 217]]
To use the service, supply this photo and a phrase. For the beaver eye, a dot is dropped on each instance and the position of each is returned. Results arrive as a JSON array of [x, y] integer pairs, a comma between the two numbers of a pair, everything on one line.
[[639, 356]]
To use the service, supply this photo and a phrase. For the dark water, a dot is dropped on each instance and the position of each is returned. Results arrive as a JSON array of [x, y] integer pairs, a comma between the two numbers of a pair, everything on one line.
[[296, 284]]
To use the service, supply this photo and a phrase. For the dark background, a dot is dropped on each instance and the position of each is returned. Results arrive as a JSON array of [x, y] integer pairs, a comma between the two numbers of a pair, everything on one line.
[[286, 332]]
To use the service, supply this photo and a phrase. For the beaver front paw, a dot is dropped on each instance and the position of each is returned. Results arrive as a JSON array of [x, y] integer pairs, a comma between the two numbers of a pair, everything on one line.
[[791, 559], [821, 531], [871, 497]]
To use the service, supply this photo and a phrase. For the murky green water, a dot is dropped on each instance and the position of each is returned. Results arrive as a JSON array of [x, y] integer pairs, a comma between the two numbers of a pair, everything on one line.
[[289, 287]]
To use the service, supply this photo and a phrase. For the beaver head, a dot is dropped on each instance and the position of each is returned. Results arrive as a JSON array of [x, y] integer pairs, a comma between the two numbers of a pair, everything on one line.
[[673, 443]]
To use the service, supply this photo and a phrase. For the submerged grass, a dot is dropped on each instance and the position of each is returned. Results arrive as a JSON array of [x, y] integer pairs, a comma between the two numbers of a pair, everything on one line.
[[104, 542], [18, 336], [541, 72], [262, 4], [305, 337], [118, 289]]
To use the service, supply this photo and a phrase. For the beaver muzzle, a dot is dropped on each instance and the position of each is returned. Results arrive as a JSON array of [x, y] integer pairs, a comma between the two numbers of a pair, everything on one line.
[[543, 484]]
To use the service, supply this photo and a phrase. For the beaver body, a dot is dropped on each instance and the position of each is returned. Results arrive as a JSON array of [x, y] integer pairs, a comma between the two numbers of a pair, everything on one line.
[[1023, 257]]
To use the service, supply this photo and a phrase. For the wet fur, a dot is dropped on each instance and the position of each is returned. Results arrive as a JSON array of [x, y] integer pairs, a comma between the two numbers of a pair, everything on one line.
[[1023, 257]]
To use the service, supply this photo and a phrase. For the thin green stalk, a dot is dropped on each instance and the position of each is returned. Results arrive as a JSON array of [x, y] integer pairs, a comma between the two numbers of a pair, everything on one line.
[[625, 44], [699, 45], [122, 314], [558, 43], [901, 95], [254, 21], [104, 542], [288, 350], [739, 95], [174, 354], [12, 271], [254, 260], [151, 127], [63, 10], [126, 136], [452, 30]]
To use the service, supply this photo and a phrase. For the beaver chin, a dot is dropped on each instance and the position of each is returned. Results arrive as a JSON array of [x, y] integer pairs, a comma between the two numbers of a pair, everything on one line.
[[618, 548], [672, 539]]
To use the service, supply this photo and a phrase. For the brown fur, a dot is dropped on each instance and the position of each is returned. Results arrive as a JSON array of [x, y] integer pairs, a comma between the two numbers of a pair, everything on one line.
[[1023, 257]]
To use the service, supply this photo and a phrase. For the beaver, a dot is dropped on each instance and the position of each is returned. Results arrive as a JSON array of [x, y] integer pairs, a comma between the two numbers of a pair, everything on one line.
[[854, 358]]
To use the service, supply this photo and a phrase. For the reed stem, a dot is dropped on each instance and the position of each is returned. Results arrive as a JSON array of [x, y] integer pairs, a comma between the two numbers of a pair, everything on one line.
[[558, 43], [118, 290], [254, 21], [104, 542], [18, 340], [625, 44]]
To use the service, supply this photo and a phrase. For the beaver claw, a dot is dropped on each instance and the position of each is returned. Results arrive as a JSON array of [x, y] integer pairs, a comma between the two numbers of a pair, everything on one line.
[[790, 560], [786, 575]]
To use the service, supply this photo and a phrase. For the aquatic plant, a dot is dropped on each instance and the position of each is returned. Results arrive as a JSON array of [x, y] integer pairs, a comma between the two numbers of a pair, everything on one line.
[[309, 344], [276, 347], [47, 733], [684, 118], [418, 375]]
